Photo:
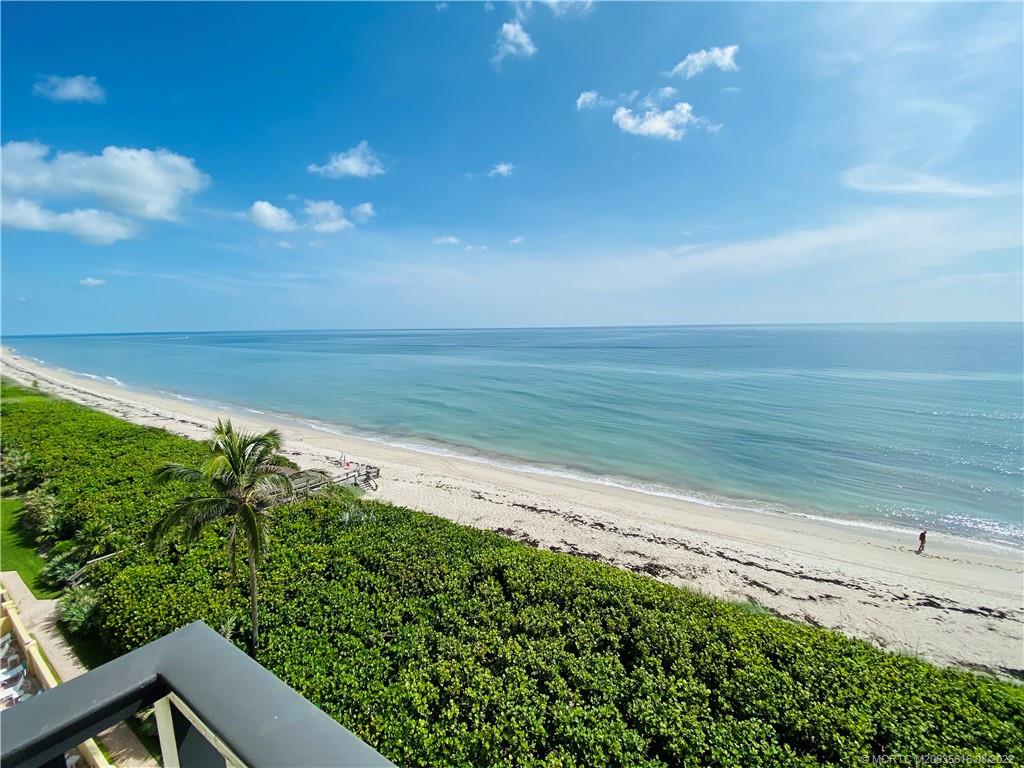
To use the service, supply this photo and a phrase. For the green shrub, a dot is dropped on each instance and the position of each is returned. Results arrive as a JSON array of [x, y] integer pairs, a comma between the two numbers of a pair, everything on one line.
[[444, 645], [143, 602], [40, 509], [58, 526], [96, 538], [62, 562], [78, 610], [18, 469]]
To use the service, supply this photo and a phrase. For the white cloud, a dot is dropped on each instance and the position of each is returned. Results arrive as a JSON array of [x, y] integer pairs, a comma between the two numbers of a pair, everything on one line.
[[76, 88], [326, 216], [587, 100], [363, 212], [516, 240], [649, 119], [89, 225], [568, 8], [476, 248], [847, 261], [446, 240], [669, 124], [149, 184], [592, 99], [864, 248], [888, 179], [917, 89], [698, 61], [502, 169], [888, 240], [285, 244], [513, 40], [270, 217], [316, 243], [319, 216], [662, 94], [360, 161], [91, 282]]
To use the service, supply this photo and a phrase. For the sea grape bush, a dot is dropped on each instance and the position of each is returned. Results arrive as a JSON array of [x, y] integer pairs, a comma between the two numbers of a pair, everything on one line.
[[444, 645]]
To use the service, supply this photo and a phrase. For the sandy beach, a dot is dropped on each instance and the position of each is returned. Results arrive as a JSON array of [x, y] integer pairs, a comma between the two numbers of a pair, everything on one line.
[[961, 603]]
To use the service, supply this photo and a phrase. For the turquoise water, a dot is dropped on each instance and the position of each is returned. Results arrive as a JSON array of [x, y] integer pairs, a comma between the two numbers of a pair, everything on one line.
[[881, 425]]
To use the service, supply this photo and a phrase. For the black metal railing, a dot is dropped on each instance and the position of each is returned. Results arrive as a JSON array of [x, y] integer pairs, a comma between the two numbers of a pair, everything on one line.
[[214, 706]]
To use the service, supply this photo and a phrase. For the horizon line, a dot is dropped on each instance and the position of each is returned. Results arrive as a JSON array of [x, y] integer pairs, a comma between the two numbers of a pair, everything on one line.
[[521, 327]]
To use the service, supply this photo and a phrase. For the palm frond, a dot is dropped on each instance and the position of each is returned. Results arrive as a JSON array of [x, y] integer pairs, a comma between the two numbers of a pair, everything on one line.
[[201, 510], [267, 485], [260, 448], [218, 468], [162, 528], [222, 431], [270, 439], [170, 472], [192, 514]]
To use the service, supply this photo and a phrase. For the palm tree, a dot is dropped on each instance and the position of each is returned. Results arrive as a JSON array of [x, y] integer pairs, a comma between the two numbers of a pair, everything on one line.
[[244, 475]]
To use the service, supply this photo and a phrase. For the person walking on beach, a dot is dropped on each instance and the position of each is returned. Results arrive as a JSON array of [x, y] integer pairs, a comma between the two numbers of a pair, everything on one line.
[[920, 541]]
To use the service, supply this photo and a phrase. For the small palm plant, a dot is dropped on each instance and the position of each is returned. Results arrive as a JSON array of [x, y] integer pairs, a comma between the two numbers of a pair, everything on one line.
[[244, 475], [96, 539]]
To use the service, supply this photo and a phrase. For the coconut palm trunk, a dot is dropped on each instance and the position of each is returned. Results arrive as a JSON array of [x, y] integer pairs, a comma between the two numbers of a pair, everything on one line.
[[253, 604]]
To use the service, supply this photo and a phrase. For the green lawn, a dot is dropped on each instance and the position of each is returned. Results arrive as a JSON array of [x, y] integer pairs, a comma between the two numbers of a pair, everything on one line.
[[17, 553]]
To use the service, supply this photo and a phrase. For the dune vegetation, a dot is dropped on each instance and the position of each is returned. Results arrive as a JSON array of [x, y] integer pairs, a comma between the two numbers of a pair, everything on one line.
[[445, 645]]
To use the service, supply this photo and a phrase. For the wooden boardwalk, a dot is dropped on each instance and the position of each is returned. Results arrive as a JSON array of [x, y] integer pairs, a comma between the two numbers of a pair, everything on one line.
[[364, 476]]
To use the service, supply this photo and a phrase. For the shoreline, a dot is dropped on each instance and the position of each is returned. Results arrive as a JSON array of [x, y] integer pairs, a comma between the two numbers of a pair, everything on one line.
[[439, 448], [961, 603]]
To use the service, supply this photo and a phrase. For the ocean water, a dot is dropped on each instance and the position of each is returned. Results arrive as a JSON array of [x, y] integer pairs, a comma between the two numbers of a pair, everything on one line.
[[886, 425]]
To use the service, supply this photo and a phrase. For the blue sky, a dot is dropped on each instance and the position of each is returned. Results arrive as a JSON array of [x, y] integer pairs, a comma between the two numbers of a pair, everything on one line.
[[198, 166]]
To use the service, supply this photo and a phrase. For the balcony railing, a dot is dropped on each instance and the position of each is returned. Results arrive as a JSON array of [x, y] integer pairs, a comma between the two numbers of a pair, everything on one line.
[[214, 707]]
